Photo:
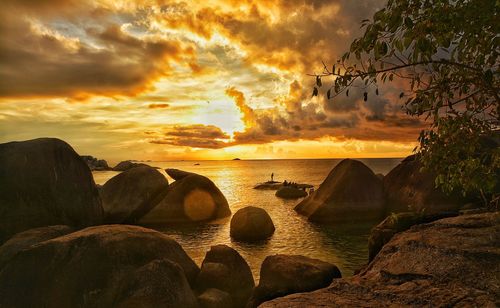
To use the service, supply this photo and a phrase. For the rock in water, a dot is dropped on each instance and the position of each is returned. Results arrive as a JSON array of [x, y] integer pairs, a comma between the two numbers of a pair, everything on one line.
[[350, 192], [225, 269], [131, 194], [93, 267], [407, 188], [126, 165], [281, 275], [190, 199], [95, 164], [452, 261], [28, 238], [288, 192], [45, 182], [251, 224]]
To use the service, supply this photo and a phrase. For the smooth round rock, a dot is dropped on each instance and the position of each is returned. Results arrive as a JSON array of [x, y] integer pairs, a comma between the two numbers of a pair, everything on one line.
[[251, 224]]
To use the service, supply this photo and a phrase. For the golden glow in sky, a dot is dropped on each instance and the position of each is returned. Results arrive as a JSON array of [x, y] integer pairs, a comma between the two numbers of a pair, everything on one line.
[[165, 80]]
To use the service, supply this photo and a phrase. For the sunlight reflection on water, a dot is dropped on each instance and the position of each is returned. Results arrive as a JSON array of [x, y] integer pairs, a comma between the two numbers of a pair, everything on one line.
[[344, 245]]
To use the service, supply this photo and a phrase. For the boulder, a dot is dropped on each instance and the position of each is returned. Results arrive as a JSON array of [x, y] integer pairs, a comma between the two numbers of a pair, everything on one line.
[[190, 199], [131, 194], [225, 269], [281, 275], [350, 192], [408, 188], [289, 192], [448, 262], [177, 174], [126, 165], [95, 164], [93, 268], [251, 224], [213, 298], [160, 283], [28, 238], [395, 223], [45, 182]]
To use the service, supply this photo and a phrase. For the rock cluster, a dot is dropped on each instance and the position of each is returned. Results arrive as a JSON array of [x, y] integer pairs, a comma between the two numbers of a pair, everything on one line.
[[452, 261]]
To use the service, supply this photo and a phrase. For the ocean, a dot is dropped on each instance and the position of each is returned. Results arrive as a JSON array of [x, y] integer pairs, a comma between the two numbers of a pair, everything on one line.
[[345, 245]]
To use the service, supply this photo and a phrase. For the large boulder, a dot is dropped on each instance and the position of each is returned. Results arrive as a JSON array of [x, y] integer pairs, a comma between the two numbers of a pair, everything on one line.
[[214, 298], [190, 199], [251, 224], [28, 238], [290, 192], [126, 165], [131, 194], [409, 188], [448, 262], [281, 275], [160, 283], [93, 267], [45, 182], [225, 269], [395, 223], [350, 192], [95, 164]]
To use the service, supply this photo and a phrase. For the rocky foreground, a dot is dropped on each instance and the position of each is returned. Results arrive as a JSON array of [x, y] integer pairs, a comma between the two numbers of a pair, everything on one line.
[[66, 242], [446, 263]]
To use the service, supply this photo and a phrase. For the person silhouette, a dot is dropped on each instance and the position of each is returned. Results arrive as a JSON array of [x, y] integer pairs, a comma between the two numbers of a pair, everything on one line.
[[272, 177]]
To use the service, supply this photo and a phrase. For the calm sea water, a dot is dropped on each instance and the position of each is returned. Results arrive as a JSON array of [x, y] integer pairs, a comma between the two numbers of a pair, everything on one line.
[[344, 245]]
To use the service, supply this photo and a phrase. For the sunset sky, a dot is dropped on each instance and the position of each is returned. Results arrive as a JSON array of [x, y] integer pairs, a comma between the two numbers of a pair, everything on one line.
[[161, 80]]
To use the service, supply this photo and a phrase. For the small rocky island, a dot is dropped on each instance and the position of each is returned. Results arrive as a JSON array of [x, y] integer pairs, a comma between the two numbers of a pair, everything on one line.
[[67, 243]]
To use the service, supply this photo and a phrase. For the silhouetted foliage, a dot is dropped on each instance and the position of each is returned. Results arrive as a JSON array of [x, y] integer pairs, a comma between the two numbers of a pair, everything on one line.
[[448, 54]]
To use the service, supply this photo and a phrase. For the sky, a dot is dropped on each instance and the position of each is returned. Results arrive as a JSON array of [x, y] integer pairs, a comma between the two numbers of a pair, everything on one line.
[[213, 79]]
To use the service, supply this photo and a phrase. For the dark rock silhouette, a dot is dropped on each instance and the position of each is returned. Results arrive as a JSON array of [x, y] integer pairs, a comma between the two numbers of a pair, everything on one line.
[[126, 165], [95, 164], [290, 192], [225, 269], [282, 275], [160, 283], [251, 224], [98, 267], [177, 174], [408, 188], [45, 182], [448, 261], [131, 194], [350, 192], [191, 198]]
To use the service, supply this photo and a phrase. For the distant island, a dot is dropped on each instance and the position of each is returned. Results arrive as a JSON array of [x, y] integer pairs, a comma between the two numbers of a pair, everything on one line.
[[236, 158]]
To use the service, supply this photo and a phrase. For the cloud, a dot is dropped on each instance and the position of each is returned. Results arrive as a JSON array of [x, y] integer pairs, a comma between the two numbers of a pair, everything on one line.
[[79, 59], [196, 136], [158, 106]]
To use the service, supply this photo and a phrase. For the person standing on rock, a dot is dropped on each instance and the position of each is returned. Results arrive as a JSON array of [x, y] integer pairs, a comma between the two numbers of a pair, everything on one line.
[[272, 177]]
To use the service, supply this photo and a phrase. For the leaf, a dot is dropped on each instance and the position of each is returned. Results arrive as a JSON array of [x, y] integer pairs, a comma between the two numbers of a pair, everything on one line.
[[328, 93], [347, 93], [318, 81], [333, 69], [376, 91], [408, 22], [315, 92], [401, 94], [365, 98], [488, 76]]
